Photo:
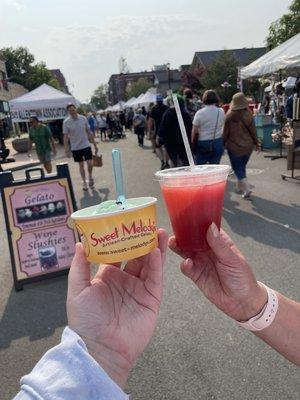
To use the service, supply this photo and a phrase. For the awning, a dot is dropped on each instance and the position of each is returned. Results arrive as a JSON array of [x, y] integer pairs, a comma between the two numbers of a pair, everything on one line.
[[44, 102], [284, 57]]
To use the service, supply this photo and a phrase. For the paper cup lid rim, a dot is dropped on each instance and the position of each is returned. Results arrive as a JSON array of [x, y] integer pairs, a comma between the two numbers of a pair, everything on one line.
[[150, 201], [204, 171]]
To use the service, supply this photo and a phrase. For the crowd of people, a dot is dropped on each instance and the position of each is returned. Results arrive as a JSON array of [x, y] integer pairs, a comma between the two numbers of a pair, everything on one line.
[[209, 129]]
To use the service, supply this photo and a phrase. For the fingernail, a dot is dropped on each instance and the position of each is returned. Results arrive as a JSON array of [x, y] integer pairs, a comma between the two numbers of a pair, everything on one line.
[[215, 230], [189, 262]]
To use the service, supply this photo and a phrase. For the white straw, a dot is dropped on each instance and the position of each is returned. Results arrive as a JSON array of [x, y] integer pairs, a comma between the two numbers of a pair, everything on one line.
[[183, 132]]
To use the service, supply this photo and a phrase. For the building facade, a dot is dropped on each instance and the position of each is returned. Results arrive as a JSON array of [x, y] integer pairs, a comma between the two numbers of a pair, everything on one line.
[[59, 76], [118, 84], [8, 91], [163, 79], [203, 59]]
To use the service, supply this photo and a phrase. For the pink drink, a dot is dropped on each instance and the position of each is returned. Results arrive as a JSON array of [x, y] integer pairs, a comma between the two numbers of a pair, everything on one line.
[[194, 200]]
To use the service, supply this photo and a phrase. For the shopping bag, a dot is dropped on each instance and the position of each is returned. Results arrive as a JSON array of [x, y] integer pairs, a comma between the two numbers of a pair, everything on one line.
[[97, 160]]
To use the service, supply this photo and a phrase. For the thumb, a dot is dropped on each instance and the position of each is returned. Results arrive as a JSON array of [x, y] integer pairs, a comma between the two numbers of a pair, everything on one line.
[[79, 275], [222, 246]]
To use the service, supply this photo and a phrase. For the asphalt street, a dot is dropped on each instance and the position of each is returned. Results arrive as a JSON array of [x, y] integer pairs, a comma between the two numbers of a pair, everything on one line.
[[196, 352]]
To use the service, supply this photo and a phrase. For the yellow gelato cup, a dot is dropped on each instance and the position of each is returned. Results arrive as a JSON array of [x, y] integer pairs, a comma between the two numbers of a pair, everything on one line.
[[111, 233]]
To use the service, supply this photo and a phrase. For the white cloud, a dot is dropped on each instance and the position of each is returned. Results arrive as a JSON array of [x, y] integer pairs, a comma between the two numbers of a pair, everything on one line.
[[89, 54], [16, 4]]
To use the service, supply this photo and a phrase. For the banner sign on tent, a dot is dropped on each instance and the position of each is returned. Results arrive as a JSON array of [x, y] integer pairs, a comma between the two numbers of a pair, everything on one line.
[[41, 235], [43, 114]]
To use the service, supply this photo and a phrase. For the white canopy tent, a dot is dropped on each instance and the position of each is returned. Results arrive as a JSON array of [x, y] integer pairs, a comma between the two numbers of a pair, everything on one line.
[[129, 102], [116, 107], [284, 57], [45, 102], [149, 97], [136, 102]]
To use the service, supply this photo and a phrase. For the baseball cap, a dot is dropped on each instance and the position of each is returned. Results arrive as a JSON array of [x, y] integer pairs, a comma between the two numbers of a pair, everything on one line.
[[159, 97]]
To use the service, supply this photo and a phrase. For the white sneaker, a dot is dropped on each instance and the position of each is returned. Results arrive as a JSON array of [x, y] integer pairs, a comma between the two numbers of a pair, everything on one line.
[[246, 189], [84, 185]]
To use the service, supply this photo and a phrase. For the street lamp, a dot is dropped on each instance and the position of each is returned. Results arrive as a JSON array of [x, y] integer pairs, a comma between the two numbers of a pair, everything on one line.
[[169, 80]]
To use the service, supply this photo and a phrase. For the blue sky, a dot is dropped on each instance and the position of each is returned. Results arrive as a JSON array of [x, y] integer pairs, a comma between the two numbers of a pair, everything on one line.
[[85, 39]]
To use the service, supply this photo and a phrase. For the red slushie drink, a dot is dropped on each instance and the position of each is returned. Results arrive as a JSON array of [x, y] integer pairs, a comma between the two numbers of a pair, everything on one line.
[[194, 199]]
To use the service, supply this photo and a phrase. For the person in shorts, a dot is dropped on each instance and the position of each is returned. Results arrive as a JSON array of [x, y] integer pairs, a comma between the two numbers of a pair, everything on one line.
[[41, 135], [102, 125], [78, 136]]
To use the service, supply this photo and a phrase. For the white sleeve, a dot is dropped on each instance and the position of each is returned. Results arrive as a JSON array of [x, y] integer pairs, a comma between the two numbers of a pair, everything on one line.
[[68, 372], [65, 128], [197, 119]]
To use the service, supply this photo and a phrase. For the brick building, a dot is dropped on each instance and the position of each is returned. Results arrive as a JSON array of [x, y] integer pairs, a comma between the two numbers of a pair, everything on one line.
[[163, 79], [58, 75]]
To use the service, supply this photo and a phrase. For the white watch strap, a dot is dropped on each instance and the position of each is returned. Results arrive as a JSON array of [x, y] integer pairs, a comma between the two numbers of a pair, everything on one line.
[[266, 316]]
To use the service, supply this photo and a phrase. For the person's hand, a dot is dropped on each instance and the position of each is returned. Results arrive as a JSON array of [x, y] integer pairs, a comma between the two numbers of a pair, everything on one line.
[[115, 313], [224, 276]]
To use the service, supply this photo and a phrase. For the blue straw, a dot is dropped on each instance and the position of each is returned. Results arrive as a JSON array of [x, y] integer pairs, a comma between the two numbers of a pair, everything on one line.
[[117, 164]]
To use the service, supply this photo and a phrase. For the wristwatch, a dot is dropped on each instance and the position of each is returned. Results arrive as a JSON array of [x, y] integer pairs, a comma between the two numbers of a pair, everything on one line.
[[266, 315]]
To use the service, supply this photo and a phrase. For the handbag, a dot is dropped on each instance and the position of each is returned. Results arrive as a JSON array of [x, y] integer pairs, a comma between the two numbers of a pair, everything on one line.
[[209, 150], [97, 160]]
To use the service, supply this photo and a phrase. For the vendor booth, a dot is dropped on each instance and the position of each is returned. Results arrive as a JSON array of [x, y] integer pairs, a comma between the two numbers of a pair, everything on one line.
[[129, 102], [284, 57], [44, 102], [278, 125]]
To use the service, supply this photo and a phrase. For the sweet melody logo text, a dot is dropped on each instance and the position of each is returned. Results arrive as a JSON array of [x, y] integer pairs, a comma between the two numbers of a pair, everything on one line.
[[124, 232]]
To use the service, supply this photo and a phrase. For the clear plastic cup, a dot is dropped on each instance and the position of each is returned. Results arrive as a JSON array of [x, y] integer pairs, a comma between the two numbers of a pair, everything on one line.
[[112, 233], [194, 198]]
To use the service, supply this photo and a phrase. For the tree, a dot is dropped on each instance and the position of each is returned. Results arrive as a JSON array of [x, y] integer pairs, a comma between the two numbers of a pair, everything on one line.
[[99, 97], [191, 80], [21, 68], [84, 108], [138, 87], [222, 69], [285, 27]]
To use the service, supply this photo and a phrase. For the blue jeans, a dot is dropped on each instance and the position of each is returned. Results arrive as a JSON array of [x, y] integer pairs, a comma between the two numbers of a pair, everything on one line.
[[203, 154], [238, 164]]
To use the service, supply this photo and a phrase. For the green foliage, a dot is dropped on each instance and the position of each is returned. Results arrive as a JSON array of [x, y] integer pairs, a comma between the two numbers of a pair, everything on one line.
[[222, 69], [138, 87], [21, 68], [99, 97], [84, 108], [54, 83], [285, 27], [253, 88]]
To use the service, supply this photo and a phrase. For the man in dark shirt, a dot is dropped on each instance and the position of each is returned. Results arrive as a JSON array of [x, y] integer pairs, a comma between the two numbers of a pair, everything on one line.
[[169, 133], [154, 122]]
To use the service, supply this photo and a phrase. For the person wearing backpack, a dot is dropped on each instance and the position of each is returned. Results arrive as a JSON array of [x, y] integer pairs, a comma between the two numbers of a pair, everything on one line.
[[239, 136]]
